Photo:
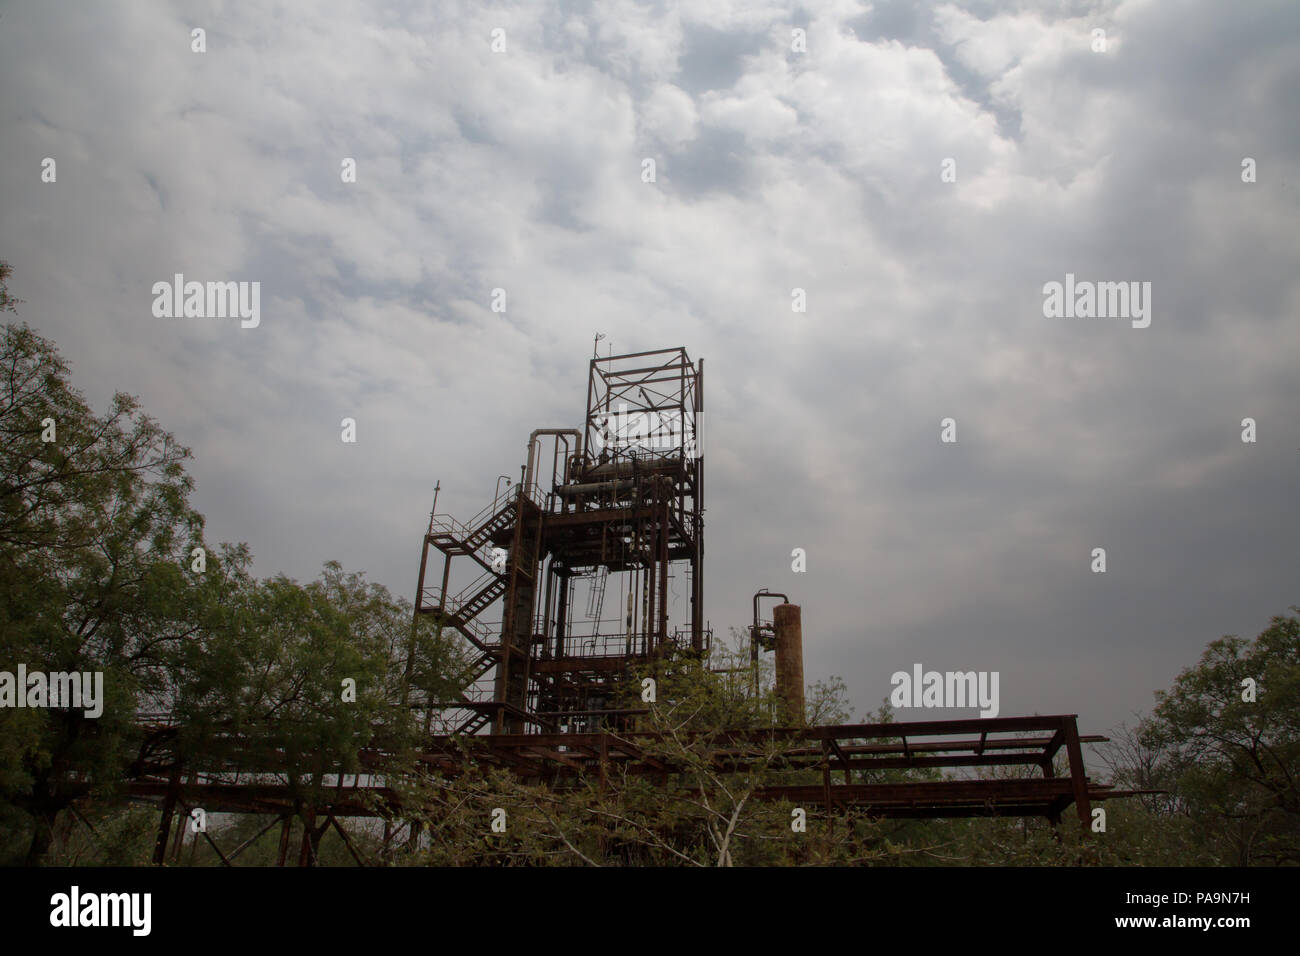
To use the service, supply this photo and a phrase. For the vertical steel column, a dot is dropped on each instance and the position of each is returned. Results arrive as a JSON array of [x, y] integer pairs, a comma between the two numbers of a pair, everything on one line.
[[697, 530], [1078, 775], [664, 520], [562, 612], [446, 576], [424, 563]]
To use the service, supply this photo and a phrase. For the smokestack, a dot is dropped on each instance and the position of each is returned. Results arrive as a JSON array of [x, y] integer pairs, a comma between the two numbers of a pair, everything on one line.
[[788, 624]]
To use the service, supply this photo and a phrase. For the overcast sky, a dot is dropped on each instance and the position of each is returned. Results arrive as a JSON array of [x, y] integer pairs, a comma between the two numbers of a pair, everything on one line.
[[776, 168]]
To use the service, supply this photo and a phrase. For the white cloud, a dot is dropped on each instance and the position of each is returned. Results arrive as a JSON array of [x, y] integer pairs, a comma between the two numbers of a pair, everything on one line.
[[669, 115]]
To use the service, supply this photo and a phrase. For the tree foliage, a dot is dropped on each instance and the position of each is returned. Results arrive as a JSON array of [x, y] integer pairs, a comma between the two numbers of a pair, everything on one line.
[[104, 569], [1225, 742], [95, 529]]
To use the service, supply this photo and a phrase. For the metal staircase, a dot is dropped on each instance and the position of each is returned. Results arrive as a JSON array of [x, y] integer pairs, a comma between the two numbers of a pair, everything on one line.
[[503, 650], [473, 540], [453, 538]]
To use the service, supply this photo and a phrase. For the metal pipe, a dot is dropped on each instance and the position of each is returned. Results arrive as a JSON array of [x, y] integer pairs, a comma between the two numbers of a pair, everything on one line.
[[532, 447], [594, 487], [754, 632], [764, 592], [697, 577]]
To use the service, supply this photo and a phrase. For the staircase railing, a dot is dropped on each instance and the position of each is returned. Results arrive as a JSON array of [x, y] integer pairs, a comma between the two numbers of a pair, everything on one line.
[[481, 635]]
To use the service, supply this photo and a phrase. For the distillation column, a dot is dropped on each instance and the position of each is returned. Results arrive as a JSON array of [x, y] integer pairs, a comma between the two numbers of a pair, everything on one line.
[[788, 625]]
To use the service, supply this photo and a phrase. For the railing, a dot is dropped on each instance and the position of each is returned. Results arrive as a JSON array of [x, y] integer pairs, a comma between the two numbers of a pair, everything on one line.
[[489, 514], [682, 638], [532, 492], [605, 645], [481, 691], [483, 633], [446, 524], [476, 587], [453, 605], [449, 525], [449, 720], [608, 645]]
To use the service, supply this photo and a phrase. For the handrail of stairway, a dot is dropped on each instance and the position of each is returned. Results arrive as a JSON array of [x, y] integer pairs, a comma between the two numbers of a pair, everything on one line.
[[446, 522], [429, 599], [460, 532], [471, 590]]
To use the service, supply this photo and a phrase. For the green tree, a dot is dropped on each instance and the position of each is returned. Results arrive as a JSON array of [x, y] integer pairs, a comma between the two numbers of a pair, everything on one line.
[[298, 682], [103, 568], [1226, 740], [95, 537]]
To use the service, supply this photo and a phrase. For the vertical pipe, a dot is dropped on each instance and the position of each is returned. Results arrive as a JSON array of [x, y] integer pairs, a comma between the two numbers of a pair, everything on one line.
[[631, 589], [697, 569], [648, 608], [586, 428], [788, 624], [562, 610], [419, 602], [665, 517], [547, 605], [650, 555]]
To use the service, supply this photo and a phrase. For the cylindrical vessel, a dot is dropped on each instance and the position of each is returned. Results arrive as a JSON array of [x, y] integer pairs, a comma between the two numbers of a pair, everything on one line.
[[788, 624]]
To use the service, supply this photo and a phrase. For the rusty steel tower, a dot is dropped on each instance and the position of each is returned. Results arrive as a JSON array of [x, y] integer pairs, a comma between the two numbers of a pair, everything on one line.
[[587, 572]]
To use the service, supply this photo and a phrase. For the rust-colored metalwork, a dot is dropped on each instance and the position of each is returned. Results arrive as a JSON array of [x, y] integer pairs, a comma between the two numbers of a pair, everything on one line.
[[856, 750], [762, 636], [787, 622], [620, 513], [851, 748]]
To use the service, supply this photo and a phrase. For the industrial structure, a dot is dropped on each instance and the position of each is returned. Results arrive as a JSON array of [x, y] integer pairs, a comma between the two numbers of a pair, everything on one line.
[[618, 515], [588, 571]]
